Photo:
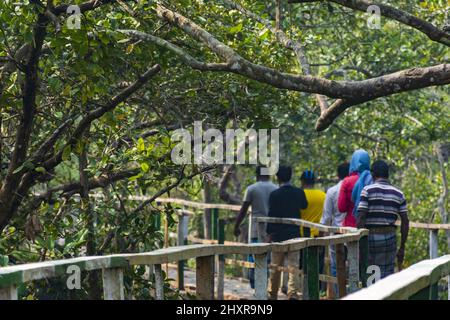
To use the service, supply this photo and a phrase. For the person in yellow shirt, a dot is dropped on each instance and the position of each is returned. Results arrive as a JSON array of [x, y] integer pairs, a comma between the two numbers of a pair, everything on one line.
[[315, 199], [313, 212]]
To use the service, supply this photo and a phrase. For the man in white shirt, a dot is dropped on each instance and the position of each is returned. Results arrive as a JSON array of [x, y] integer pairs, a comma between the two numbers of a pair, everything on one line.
[[330, 214], [256, 196]]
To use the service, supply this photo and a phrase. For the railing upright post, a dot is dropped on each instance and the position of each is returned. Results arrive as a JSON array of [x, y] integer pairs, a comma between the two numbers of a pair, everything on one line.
[[448, 288], [364, 259], [313, 272], [427, 293], [433, 243], [221, 262], [340, 270], [181, 241], [159, 282], [113, 284], [353, 265], [157, 222], [305, 289], [9, 293], [261, 276], [205, 277], [214, 223]]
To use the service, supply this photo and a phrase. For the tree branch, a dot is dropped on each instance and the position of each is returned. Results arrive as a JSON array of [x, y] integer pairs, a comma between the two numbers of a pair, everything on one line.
[[288, 43], [100, 111], [99, 182], [403, 17], [171, 186], [349, 93], [185, 57]]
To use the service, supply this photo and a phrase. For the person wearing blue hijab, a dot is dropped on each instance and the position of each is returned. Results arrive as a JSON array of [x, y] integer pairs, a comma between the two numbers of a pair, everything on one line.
[[360, 163]]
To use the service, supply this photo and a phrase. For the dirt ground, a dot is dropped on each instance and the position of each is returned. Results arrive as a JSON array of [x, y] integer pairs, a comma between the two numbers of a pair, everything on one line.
[[235, 288]]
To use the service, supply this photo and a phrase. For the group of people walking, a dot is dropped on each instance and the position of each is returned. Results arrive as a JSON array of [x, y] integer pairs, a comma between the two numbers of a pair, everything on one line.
[[363, 198]]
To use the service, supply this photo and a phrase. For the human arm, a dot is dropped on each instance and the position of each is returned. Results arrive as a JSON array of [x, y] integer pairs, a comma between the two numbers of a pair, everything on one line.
[[363, 208], [327, 212], [240, 217], [404, 230], [271, 213]]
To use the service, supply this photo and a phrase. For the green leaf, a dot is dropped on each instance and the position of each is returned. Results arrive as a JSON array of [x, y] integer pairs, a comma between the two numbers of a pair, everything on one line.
[[66, 153], [3, 260], [40, 169], [236, 28], [145, 167], [141, 145], [264, 34]]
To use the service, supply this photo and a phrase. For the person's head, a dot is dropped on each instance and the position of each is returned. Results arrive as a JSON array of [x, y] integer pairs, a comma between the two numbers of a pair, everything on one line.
[[308, 178], [259, 175], [342, 170], [360, 161], [380, 169], [284, 174]]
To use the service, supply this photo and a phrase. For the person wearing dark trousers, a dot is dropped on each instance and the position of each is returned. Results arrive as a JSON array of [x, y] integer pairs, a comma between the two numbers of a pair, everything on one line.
[[285, 202], [256, 196]]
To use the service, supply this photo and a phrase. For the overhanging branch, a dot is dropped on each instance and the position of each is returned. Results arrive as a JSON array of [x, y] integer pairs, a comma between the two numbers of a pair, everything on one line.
[[348, 93], [403, 17]]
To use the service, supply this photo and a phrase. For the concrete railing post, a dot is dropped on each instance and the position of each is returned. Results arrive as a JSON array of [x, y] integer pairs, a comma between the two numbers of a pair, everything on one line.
[[353, 266], [205, 277], [113, 284], [159, 282], [221, 262], [9, 293], [433, 243], [261, 276]]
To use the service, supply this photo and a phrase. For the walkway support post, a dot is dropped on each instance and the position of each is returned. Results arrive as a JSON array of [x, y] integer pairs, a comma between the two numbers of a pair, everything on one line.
[[159, 282], [261, 276], [433, 243], [364, 259], [340, 270], [304, 276], [313, 272], [113, 284], [427, 293], [353, 266], [214, 223], [205, 277], [9, 293], [181, 241], [306, 232], [221, 262], [448, 288]]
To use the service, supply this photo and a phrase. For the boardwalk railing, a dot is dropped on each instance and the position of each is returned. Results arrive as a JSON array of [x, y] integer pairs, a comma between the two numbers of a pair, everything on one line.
[[113, 266], [418, 282], [432, 228]]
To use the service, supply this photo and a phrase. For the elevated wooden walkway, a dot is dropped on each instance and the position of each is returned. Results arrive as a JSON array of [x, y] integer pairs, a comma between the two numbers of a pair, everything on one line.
[[417, 281]]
